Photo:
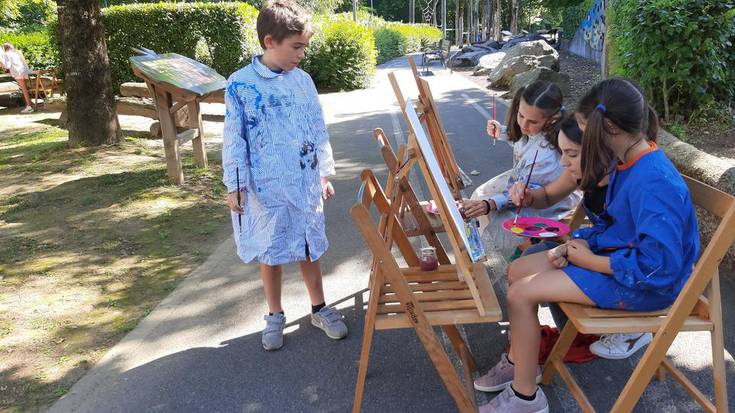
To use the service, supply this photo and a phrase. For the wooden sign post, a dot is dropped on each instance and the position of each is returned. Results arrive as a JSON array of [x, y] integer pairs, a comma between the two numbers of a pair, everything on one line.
[[176, 82]]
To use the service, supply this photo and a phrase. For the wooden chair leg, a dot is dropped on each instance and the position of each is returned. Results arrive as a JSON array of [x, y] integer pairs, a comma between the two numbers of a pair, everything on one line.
[[560, 349], [38, 86], [718, 346], [653, 357]]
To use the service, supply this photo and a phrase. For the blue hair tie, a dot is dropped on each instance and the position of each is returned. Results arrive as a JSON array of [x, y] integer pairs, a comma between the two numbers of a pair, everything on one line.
[[562, 109], [601, 108]]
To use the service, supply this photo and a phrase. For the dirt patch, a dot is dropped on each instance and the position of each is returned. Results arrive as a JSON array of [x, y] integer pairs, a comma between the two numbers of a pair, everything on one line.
[[91, 239]]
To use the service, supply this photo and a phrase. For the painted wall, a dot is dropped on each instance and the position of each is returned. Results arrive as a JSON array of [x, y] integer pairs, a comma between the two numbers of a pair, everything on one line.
[[589, 37]]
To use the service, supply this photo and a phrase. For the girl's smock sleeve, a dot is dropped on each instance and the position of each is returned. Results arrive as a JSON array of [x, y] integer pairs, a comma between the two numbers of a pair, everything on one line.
[[546, 170], [233, 145], [656, 259]]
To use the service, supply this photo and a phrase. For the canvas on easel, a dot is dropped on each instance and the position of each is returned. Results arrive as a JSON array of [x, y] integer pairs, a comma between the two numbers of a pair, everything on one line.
[[427, 113]]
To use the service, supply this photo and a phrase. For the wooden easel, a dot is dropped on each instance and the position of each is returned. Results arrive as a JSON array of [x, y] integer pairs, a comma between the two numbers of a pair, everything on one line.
[[429, 115], [183, 84], [459, 293]]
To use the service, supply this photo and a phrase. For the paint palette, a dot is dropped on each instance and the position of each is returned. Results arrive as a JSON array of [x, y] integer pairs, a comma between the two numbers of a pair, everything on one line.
[[536, 227]]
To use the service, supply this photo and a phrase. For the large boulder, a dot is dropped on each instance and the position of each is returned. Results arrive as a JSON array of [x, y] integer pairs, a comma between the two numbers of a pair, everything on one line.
[[502, 76], [534, 48], [540, 73], [487, 63]]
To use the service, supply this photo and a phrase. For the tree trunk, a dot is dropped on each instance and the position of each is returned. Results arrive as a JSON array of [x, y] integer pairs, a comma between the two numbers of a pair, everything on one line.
[[497, 24], [458, 23], [486, 19], [514, 16], [90, 101]]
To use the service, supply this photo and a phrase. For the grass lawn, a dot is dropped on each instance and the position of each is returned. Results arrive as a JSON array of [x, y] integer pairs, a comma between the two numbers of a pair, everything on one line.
[[91, 239]]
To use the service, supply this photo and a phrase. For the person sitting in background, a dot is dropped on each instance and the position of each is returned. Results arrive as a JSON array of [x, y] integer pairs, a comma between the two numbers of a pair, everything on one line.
[[12, 60]]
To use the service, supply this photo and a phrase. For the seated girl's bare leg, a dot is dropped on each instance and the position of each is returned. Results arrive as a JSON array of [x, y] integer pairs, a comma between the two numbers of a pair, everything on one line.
[[24, 89], [528, 265], [524, 297]]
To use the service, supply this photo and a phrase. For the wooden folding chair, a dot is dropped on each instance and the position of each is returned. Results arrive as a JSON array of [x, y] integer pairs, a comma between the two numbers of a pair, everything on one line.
[[406, 297], [46, 82], [698, 308]]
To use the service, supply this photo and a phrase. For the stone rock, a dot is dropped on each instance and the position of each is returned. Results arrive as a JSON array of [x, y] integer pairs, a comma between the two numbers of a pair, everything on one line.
[[540, 73], [487, 63], [503, 74], [534, 48]]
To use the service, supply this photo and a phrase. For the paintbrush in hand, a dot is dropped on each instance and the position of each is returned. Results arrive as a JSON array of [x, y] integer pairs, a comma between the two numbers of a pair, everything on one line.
[[239, 215], [494, 137], [528, 180]]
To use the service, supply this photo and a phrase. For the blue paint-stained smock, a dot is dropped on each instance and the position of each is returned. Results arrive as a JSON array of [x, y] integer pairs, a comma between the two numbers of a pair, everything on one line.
[[275, 133], [649, 231]]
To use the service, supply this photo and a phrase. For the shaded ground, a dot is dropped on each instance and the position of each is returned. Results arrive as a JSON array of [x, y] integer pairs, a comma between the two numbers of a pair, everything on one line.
[[90, 241]]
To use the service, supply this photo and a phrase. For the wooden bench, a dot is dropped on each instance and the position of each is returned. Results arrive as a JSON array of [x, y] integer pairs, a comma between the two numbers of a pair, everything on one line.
[[440, 52], [698, 308]]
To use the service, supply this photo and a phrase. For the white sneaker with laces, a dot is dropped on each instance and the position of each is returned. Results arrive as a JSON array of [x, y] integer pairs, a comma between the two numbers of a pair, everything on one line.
[[619, 346], [27, 109]]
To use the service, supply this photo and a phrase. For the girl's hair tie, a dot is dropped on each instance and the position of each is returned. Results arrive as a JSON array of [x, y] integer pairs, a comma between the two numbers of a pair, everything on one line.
[[562, 109], [601, 108]]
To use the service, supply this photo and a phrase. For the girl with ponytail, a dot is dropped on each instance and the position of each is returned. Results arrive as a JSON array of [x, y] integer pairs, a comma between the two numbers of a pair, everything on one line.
[[532, 125], [636, 257]]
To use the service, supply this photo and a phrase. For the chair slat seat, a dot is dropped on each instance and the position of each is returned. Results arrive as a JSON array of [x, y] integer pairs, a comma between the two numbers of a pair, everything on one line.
[[589, 320]]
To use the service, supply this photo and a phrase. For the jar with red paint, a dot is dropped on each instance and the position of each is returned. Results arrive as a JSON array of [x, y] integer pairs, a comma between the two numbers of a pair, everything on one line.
[[428, 260]]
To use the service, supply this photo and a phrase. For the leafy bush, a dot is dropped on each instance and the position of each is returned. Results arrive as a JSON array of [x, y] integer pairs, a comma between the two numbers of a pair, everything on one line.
[[37, 47], [28, 15], [398, 39], [680, 51], [224, 32], [341, 55]]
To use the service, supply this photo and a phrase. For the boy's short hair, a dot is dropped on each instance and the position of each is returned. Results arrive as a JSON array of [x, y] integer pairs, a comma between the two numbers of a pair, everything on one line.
[[282, 18]]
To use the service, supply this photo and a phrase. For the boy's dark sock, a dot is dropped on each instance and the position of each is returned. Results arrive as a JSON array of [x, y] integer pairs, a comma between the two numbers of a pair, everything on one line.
[[523, 396], [280, 312], [315, 308]]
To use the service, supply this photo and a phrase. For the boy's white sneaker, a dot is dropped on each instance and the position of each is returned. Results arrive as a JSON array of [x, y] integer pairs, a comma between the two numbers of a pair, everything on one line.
[[27, 109], [619, 346], [329, 320], [272, 336]]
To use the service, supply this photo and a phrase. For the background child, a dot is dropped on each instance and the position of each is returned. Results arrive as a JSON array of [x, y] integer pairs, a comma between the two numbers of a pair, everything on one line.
[[275, 137], [532, 125], [637, 257], [13, 60]]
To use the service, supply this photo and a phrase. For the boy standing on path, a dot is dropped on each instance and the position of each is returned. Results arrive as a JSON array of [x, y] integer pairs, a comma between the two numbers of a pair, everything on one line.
[[277, 161]]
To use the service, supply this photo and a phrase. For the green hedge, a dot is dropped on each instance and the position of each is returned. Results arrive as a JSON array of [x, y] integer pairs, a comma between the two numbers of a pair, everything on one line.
[[37, 47], [221, 34], [341, 55], [397, 39], [680, 51]]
